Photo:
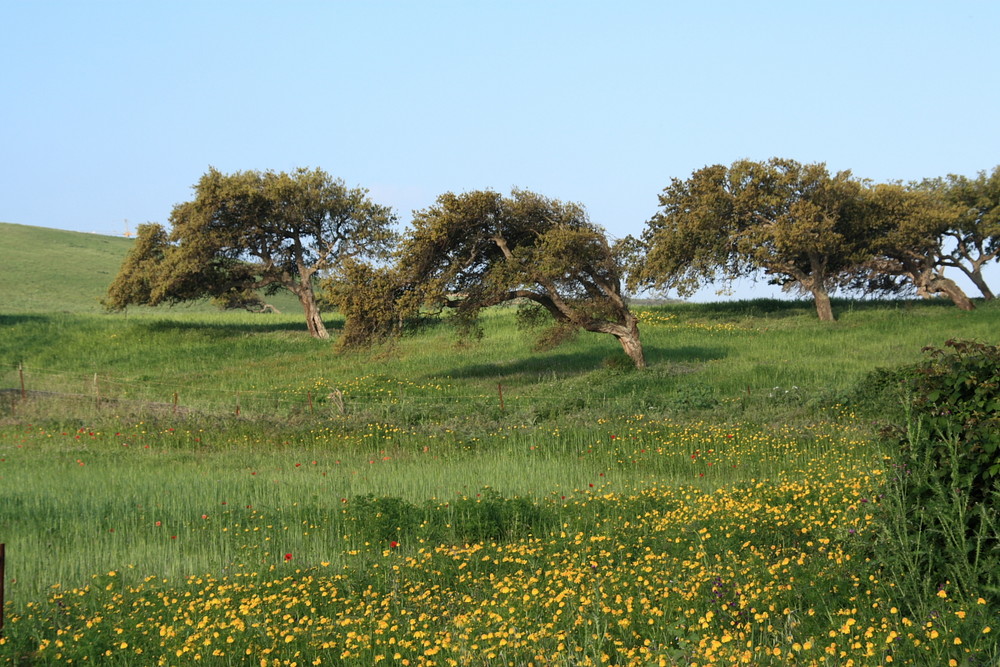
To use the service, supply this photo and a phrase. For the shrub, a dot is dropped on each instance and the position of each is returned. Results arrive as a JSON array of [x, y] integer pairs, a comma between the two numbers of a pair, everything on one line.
[[496, 518], [956, 395], [941, 511]]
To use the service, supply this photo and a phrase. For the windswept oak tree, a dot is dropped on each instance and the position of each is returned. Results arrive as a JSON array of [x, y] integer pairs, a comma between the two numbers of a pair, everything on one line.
[[478, 249], [799, 224], [907, 231], [974, 239], [253, 231]]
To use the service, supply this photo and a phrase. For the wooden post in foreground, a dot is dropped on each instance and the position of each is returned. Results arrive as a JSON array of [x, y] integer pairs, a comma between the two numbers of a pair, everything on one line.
[[500, 391], [3, 559], [20, 371]]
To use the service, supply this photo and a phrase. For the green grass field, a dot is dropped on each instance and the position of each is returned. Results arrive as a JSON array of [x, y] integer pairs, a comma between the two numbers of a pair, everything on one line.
[[186, 485]]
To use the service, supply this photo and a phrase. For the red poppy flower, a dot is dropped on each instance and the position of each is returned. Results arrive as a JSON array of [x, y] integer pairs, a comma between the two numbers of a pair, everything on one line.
[[288, 557], [393, 544]]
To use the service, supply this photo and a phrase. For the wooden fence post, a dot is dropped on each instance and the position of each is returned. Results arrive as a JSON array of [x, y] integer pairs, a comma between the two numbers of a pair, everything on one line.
[[3, 563], [20, 371], [337, 397], [500, 391]]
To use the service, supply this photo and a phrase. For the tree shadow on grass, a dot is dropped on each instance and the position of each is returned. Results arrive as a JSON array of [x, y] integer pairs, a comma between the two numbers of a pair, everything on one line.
[[11, 320], [566, 364], [783, 308], [240, 328]]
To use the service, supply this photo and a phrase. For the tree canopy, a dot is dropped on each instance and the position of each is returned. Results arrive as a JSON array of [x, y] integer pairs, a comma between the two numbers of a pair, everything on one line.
[[251, 231], [974, 240], [906, 236], [478, 249], [799, 224]]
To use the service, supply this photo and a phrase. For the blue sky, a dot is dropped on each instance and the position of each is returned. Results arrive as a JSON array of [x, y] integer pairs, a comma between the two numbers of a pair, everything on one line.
[[112, 110]]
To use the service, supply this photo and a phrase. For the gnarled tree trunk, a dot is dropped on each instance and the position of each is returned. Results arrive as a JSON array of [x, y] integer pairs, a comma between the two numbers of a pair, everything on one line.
[[824, 308], [977, 279], [627, 334], [314, 320], [948, 287], [633, 347]]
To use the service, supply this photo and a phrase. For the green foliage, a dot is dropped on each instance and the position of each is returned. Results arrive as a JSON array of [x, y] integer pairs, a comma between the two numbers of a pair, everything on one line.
[[942, 512], [381, 519], [480, 249], [137, 278], [489, 516], [976, 236], [372, 300], [692, 396], [800, 225], [957, 397], [253, 231], [909, 227], [881, 393], [492, 517]]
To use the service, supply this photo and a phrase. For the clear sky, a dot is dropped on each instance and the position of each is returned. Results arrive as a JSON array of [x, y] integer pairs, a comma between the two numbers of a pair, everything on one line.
[[112, 110]]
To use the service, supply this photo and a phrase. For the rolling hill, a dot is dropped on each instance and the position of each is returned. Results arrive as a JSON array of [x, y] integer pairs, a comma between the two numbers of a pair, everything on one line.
[[53, 270], [48, 269]]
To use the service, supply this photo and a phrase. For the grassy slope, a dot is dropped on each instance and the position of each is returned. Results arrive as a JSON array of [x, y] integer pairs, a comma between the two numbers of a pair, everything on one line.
[[47, 270], [85, 502], [51, 270], [727, 358], [724, 362]]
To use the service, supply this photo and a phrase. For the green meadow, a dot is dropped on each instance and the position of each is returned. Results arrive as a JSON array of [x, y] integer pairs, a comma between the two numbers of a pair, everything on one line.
[[185, 484]]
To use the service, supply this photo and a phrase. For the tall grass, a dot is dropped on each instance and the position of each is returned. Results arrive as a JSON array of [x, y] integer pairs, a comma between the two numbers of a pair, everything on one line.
[[754, 360], [727, 490], [152, 501]]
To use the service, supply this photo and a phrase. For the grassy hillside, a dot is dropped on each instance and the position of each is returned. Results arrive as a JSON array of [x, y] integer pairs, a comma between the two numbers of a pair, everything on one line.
[[766, 360], [51, 270], [195, 485], [46, 270], [771, 359]]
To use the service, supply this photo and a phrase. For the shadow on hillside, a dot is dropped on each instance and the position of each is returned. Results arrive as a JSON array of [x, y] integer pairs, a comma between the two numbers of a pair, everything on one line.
[[238, 328], [262, 325], [781, 308], [11, 320], [683, 355], [575, 363]]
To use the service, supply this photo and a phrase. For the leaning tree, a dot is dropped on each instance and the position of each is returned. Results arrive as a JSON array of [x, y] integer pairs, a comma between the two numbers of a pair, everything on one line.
[[800, 225], [478, 249], [252, 231], [973, 241], [908, 228]]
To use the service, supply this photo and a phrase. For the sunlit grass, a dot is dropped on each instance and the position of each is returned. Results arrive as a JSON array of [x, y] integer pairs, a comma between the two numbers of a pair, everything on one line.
[[467, 503], [652, 542]]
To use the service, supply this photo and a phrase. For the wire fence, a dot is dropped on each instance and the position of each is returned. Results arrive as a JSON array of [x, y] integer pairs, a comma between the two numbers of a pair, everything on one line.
[[108, 393]]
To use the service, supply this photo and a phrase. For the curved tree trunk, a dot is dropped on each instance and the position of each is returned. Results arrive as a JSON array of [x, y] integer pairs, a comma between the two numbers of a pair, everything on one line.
[[314, 320], [977, 279], [824, 309], [633, 347], [948, 287], [627, 334]]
